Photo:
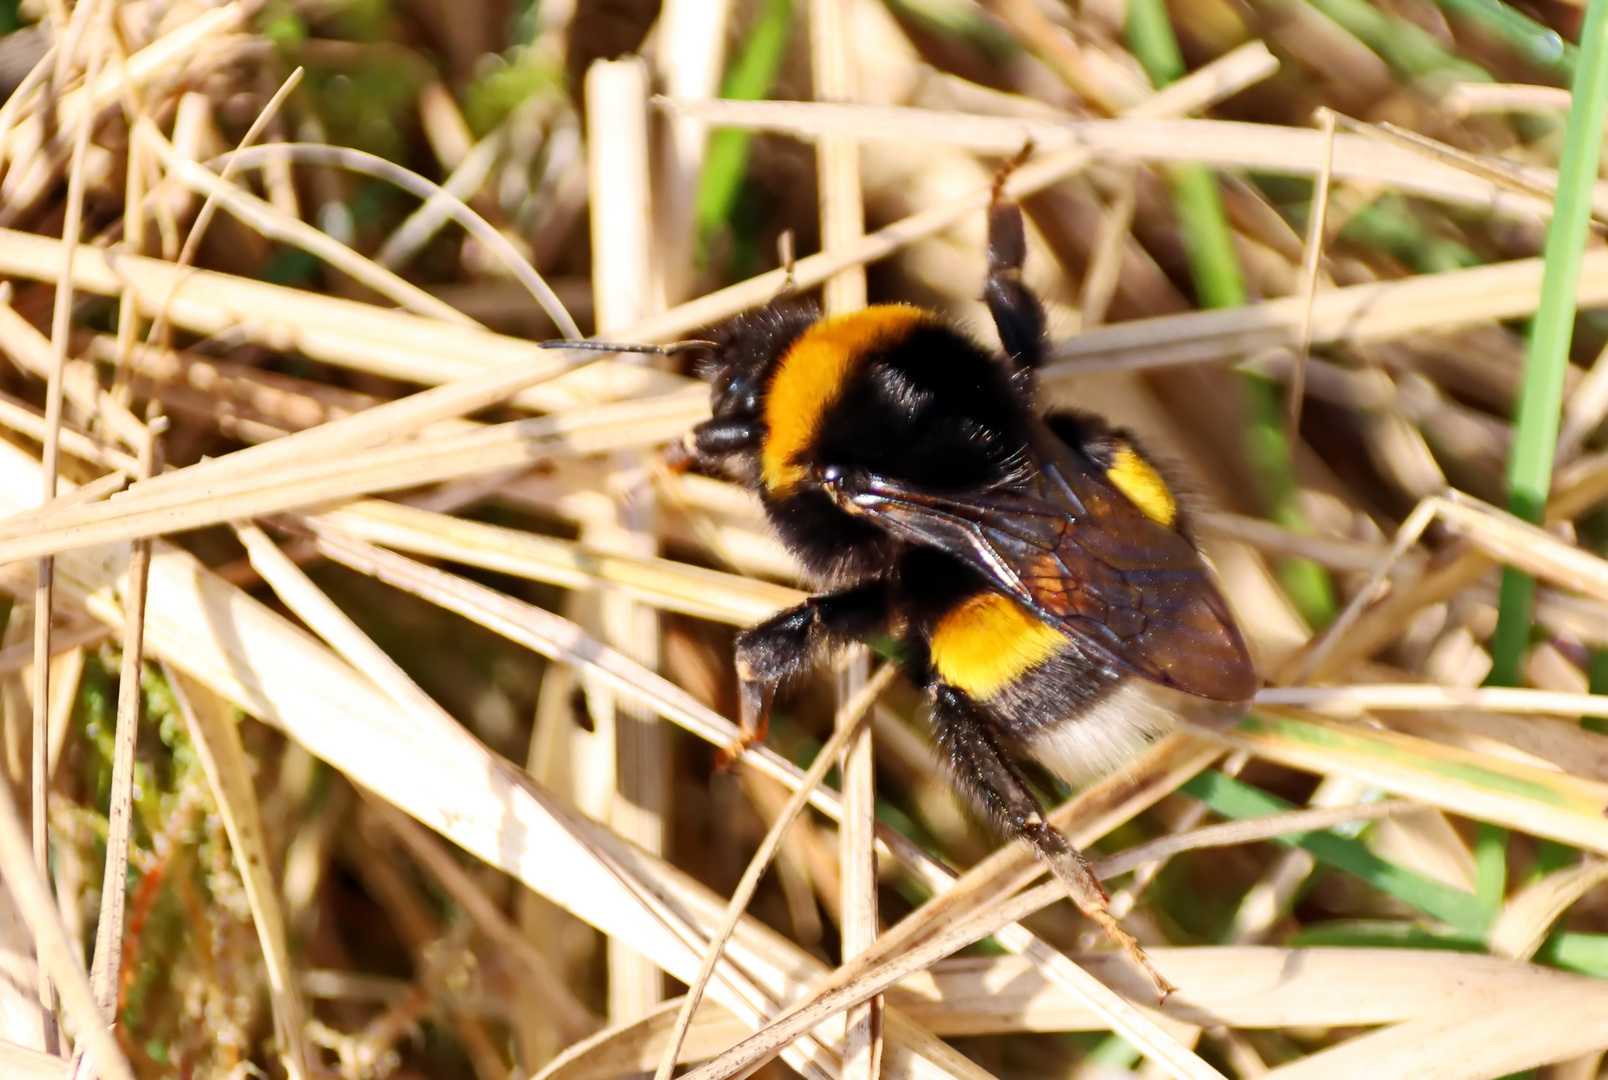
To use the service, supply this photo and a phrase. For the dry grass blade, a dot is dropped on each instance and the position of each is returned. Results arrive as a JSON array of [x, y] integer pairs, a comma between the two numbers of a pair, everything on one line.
[[852, 716], [1508, 1031], [1338, 554], [1311, 259], [329, 622], [270, 222], [1110, 244], [105, 971], [24, 1064], [57, 955], [328, 328], [1244, 987], [1131, 1022], [1220, 143], [674, 586], [217, 743], [1090, 815], [1535, 800], [560, 639], [1496, 534], [1355, 314], [22, 419], [216, 189], [1300, 667], [1245, 831], [94, 491], [1528, 917], [633, 789], [15, 658], [574, 1021], [1496, 170], [426, 460], [411, 575], [1527, 547], [382, 424], [860, 980], [1354, 700], [638, 1046], [834, 65], [439, 200], [166, 58], [1583, 411], [1470, 98], [79, 385], [44, 592]]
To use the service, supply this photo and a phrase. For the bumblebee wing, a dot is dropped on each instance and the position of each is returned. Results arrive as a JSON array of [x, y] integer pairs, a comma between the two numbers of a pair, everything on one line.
[[1067, 545]]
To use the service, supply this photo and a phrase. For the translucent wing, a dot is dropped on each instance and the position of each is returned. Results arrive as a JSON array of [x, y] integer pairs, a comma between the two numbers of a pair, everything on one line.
[[1068, 545]]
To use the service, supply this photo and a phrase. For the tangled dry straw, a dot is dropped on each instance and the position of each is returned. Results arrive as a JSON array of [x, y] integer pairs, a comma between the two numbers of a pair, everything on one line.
[[423, 630]]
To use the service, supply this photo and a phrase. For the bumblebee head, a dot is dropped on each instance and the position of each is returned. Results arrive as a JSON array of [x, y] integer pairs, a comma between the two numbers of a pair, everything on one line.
[[744, 353]]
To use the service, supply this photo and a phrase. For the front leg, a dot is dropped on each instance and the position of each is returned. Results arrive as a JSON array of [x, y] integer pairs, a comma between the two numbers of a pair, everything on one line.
[[785, 645], [710, 443]]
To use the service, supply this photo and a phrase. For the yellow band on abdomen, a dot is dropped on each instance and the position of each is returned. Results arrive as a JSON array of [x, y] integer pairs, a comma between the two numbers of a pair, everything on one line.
[[988, 642], [1138, 479]]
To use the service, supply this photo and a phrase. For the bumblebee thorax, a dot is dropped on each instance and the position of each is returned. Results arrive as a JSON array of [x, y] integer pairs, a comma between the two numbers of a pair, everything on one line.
[[810, 376]]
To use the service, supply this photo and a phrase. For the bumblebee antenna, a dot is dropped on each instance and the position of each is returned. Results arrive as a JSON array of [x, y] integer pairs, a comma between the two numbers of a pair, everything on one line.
[[667, 349]]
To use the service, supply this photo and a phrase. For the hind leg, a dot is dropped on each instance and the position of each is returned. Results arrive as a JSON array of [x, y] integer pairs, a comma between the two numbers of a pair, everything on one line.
[[1017, 313], [966, 736]]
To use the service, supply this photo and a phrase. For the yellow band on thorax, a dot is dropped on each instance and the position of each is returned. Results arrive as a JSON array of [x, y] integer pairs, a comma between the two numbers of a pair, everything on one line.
[[810, 377]]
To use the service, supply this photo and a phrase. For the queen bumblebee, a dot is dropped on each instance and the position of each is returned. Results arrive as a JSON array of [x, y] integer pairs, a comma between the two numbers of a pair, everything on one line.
[[1034, 569]]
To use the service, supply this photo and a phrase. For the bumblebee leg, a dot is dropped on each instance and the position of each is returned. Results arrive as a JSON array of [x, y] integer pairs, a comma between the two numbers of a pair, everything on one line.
[[982, 768], [785, 645], [1017, 312], [710, 442]]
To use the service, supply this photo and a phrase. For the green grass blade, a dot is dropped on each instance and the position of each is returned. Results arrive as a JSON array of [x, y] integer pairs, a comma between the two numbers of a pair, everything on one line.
[[1535, 431], [1461, 910], [1405, 47], [1542, 802], [1532, 42], [1583, 953], [749, 78], [1490, 863]]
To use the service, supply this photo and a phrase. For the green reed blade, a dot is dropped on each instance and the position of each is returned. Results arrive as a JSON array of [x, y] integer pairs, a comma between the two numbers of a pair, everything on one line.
[[1535, 431]]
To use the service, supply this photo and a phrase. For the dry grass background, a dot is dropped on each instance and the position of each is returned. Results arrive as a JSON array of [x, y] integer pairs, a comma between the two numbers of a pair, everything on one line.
[[434, 658]]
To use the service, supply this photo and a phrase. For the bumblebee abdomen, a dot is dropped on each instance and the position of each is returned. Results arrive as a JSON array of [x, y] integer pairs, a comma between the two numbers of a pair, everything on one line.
[[988, 642]]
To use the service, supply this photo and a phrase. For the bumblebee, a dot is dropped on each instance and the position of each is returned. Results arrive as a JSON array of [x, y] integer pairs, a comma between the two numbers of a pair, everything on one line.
[[1035, 569]]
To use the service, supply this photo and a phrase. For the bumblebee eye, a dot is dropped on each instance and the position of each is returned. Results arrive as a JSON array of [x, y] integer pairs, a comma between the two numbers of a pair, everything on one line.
[[720, 380], [735, 395]]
